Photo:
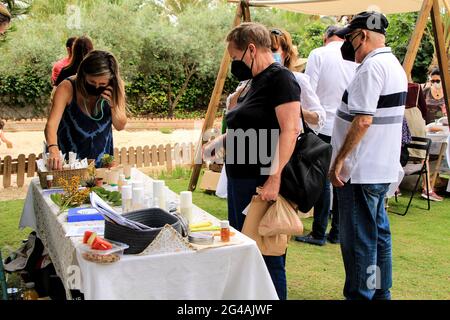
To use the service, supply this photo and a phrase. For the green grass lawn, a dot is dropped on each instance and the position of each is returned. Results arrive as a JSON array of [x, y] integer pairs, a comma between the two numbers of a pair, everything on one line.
[[421, 248]]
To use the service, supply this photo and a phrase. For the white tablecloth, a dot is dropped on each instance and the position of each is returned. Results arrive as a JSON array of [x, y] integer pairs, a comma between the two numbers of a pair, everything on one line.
[[235, 272]]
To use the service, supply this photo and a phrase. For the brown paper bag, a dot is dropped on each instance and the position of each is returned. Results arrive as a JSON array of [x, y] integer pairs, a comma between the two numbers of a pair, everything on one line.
[[280, 218], [269, 246]]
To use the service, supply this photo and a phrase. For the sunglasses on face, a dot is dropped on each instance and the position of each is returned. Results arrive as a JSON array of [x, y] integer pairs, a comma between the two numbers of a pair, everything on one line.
[[435, 81]]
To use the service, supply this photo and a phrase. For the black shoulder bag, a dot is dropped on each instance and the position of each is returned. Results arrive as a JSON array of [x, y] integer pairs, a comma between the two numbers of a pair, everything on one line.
[[303, 178]]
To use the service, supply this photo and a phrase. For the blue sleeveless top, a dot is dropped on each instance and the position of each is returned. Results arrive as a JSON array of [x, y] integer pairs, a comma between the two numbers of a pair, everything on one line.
[[88, 138]]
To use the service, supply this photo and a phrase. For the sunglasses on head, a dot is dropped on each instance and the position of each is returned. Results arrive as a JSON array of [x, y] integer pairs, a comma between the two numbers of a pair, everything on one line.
[[435, 81], [276, 32]]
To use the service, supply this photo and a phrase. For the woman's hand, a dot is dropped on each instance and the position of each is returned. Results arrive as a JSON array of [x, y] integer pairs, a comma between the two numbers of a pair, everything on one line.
[[107, 94], [54, 161], [271, 188], [209, 149]]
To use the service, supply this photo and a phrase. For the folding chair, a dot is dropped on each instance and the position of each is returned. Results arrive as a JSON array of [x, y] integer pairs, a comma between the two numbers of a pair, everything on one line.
[[418, 143]]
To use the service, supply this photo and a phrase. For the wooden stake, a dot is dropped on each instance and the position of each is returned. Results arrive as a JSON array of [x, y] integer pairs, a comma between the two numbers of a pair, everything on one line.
[[441, 53], [242, 13], [416, 38]]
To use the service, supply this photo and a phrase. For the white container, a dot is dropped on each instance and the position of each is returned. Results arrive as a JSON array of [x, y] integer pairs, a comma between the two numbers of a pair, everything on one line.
[[137, 184], [138, 198], [159, 192], [185, 199], [127, 197], [186, 205]]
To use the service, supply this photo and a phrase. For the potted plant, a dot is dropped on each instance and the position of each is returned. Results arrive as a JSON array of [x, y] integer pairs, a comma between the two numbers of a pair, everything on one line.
[[108, 161]]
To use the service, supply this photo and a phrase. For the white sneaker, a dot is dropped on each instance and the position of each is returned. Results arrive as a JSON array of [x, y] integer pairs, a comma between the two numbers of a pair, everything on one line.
[[433, 196]]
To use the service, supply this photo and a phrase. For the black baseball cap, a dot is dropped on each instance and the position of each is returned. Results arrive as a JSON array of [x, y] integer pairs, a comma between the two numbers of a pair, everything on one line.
[[368, 20]]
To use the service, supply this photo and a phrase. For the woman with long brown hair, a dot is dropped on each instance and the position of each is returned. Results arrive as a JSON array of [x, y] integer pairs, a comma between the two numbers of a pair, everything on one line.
[[80, 49], [85, 107]]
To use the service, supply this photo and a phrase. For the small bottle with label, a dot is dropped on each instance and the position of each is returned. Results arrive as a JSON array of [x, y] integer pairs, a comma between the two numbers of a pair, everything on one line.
[[127, 199], [225, 231], [49, 181]]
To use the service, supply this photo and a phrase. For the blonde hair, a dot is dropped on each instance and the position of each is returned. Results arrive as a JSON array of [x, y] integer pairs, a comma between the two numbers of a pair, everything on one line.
[[102, 63], [282, 38], [249, 32]]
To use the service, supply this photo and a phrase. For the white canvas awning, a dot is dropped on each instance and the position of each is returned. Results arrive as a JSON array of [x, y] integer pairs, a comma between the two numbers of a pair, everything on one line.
[[342, 7]]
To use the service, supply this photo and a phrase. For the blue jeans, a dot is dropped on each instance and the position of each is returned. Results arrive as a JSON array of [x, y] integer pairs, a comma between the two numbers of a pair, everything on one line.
[[322, 209], [365, 238], [240, 193]]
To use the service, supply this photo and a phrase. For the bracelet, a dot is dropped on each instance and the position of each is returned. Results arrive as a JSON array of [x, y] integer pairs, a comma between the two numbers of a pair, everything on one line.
[[52, 145]]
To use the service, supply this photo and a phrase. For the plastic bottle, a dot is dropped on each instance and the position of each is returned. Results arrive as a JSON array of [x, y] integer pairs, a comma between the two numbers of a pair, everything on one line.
[[30, 293], [127, 196], [186, 205], [225, 231], [49, 181], [138, 198]]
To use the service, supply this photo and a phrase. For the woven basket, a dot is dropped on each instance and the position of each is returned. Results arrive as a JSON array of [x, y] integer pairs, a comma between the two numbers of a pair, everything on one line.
[[139, 240], [65, 174]]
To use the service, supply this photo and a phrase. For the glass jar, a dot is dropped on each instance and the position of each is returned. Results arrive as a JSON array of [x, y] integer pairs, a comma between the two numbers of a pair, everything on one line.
[[30, 293]]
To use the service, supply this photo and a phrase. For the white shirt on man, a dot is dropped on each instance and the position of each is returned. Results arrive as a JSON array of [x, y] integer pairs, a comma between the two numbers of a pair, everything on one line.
[[310, 101], [329, 76], [379, 89]]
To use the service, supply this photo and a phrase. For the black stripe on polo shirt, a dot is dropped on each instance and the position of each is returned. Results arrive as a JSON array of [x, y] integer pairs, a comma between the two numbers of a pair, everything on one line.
[[345, 97], [392, 100], [375, 120]]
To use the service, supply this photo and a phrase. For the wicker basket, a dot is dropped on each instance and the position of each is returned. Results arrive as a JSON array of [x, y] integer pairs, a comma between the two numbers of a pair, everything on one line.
[[139, 240], [65, 174]]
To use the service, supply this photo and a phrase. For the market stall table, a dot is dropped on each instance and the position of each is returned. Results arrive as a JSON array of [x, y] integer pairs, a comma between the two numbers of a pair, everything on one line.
[[235, 272]]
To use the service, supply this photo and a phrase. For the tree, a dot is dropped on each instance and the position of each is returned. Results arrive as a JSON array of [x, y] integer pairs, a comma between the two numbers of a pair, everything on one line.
[[179, 52], [177, 7]]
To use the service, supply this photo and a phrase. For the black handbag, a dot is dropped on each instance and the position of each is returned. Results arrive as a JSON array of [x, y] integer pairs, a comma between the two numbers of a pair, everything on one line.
[[303, 178]]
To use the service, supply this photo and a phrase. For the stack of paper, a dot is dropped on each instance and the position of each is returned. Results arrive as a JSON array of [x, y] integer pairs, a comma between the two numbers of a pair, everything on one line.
[[109, 213]]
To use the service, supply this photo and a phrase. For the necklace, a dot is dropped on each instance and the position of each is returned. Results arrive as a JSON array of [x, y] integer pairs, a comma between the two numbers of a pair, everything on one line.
[[95, 109]]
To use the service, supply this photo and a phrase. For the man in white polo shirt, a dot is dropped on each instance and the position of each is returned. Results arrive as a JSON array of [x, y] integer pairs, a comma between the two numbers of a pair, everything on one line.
[[329, 77], [366, 154]]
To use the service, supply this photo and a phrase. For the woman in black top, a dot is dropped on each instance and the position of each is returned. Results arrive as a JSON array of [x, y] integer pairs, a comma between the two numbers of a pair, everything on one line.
[[262, 129], [81, 47]]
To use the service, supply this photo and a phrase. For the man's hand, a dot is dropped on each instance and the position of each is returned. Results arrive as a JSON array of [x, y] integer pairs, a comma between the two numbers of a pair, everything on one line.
[[335, 171]]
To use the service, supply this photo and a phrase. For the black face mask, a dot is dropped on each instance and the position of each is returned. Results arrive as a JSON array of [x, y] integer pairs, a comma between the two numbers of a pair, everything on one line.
[[92, 90], [240, 70], [347, 51]]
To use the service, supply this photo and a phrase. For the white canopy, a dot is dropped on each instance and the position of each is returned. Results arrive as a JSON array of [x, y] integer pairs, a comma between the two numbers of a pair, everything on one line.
[[342, 7]]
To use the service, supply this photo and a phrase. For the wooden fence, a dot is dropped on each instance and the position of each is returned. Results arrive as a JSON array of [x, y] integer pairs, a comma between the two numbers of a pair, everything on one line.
[[141, 157]]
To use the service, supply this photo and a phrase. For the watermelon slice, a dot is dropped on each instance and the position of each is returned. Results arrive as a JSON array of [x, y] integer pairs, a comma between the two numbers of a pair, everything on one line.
[[91, 238], [101, 244], [87, 235]]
